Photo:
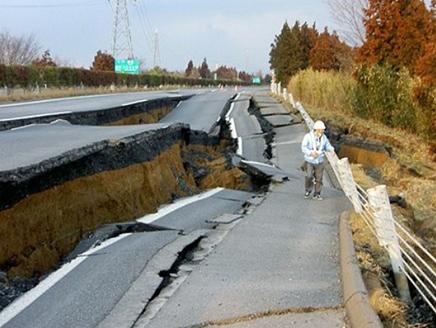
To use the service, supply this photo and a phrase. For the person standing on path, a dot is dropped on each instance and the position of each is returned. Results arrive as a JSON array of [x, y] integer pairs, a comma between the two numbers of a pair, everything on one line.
[[314, 146]]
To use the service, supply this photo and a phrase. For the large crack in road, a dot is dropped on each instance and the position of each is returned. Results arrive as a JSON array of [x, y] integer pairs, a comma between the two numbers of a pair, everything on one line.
[[191, 161]]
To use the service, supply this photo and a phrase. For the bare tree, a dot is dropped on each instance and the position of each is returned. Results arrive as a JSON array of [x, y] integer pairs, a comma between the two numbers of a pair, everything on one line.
[[349, 15], [20, 50]]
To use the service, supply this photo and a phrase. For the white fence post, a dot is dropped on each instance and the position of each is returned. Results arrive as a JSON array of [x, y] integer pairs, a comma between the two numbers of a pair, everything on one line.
[[347, 182], [291, 100], [385, 227], [285, 94]]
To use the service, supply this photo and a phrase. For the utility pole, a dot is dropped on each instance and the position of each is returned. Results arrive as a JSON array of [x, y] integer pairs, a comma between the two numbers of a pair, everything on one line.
[[122, 38], [156, 52]]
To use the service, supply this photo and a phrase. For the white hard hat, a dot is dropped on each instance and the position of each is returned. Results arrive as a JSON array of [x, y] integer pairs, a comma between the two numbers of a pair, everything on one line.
[[319, 125]]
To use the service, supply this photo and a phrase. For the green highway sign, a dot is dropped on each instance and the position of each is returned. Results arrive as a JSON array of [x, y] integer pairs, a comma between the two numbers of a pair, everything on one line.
[[127, 66], [256, 80]]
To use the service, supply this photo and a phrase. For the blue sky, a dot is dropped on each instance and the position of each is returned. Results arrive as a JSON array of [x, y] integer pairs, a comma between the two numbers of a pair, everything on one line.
[[231, 32]]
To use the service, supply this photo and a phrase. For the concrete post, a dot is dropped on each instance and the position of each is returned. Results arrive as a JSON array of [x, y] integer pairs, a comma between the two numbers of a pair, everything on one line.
[[348, 184], [285, 94], [279, 88], [291, 100], [385, 227]]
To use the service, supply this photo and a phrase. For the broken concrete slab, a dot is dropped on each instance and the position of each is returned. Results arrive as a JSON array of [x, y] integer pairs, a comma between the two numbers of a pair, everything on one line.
[[262, 171], [225, 218], [280, 120], [256, 201], [108, 231], [89, 113], [273, 110], [253, 148], [133, 302]]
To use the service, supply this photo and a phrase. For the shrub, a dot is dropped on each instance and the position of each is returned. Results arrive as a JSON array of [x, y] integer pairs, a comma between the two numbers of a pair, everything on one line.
[[27, 76], [381, 93], [384, 94]]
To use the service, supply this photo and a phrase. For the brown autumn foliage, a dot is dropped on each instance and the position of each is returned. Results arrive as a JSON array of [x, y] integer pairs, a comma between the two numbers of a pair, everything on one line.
[[426, 64], [397, 32], [103, 62], [44, 61], [329, 53]]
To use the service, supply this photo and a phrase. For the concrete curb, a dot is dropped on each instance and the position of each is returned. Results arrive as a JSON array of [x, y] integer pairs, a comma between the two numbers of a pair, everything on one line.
[[359, 311]]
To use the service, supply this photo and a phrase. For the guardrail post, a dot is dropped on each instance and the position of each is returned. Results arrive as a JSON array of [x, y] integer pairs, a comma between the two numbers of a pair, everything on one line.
[[385, 227], [285, 94], [291, 100], [279, 88], [348, 184], [306, 117]]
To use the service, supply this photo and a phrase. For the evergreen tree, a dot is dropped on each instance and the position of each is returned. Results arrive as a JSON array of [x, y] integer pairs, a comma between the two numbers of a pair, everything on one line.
[[309, 36], [290, 51], [204, 70], [329, 53], [280, 55], [189, 69]]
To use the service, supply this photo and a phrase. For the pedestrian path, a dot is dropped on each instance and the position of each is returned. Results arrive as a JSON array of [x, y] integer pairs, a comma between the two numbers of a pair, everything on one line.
[[279, 267]]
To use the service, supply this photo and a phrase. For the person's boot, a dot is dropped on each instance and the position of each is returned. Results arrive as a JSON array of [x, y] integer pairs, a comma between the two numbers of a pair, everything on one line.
[[317, 197]]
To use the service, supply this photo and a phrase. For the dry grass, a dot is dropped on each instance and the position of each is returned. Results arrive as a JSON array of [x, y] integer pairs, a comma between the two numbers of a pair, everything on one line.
[[317, 89], [374, 262], [411, 171]]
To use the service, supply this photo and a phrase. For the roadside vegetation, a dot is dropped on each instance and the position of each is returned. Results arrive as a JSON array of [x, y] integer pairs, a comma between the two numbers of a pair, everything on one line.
[[380, 86], [28, 73]]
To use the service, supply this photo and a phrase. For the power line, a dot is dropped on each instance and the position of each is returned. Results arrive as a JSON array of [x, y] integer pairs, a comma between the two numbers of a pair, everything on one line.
[[142, 22], [156, 51]]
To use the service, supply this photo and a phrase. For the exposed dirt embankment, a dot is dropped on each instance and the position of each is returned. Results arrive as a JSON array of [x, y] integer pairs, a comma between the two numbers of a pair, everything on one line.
[[151, 116], [47, 209]]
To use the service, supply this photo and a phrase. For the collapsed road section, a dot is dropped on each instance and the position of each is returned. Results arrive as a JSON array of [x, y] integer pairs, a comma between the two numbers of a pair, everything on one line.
[[59, 181], [107, 109], [111, 284]]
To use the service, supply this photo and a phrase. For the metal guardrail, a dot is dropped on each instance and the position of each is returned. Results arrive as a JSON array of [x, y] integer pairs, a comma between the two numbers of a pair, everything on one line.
[[410, 260]]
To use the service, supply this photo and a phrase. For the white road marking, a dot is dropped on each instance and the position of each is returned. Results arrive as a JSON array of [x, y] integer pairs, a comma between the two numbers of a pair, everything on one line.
[[285, 143], [232, 106], [178, 204], [233, 129], [258, 163], [23, 127], [33, 116], [134, 102], [28, 298], [239, 150], [58, 99]]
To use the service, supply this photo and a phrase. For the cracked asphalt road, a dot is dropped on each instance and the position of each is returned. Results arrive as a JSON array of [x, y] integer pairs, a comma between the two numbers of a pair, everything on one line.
[[283, 255], [87, 294]]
